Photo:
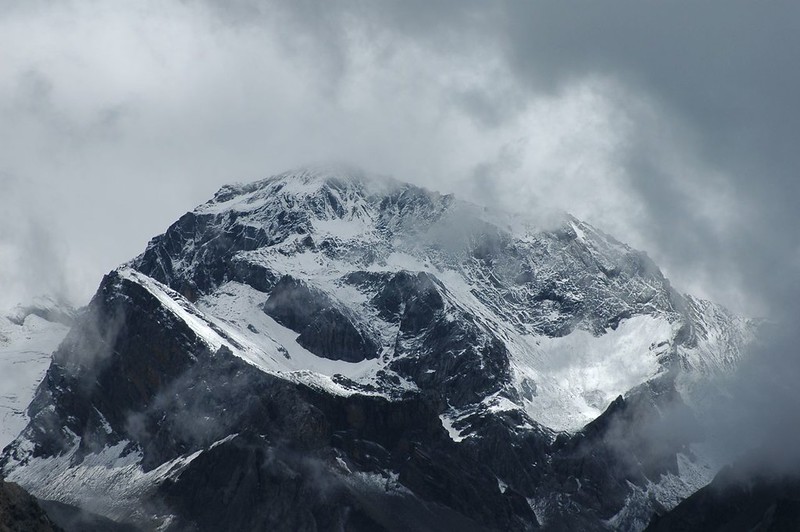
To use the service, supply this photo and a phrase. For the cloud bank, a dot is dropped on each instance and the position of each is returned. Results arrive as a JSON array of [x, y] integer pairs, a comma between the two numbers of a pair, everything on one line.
[[649, 122]]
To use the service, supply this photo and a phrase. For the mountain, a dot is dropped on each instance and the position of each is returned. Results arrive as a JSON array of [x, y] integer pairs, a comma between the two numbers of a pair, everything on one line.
[[28, 335], [323, 350]]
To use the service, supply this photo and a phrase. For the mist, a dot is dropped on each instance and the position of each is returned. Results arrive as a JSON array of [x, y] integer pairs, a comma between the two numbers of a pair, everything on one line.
[[671, 128]]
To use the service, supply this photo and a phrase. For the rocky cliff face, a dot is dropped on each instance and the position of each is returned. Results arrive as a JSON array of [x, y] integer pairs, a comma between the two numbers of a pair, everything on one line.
[[321, 350]]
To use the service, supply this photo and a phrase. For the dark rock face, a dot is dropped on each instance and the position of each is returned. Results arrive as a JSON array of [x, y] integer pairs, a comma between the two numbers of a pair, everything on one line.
[[450, 354], [332, 335], [422, 302], [452, 357], [266, 486], [635, 439], [261, 487], [124, 349], [398, 291], [292, 465], [20, 512], [291, 468], [256, 275], [294, 304], [200, 239], [324, 326]]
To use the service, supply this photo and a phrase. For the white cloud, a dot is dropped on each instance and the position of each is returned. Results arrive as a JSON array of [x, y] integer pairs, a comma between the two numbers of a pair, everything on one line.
[[119, 117]]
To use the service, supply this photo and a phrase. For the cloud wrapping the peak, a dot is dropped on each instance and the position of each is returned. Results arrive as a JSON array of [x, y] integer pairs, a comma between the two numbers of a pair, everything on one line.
[[636, 118]]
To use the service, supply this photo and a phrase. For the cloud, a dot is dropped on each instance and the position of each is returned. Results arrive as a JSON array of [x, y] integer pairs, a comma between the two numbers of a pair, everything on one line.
[[30, 257], [754, 422], [149, 107]]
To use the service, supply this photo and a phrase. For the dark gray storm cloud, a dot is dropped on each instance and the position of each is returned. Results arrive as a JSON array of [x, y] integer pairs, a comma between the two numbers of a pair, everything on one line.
[[726, 73]]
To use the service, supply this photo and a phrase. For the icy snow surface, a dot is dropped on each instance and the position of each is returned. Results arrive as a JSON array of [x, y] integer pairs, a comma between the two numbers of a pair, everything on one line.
[[25, 351], [579, 375]]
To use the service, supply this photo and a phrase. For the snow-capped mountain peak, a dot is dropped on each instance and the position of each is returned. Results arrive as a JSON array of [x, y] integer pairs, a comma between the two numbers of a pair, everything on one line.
[[561, 301], [377, 324]]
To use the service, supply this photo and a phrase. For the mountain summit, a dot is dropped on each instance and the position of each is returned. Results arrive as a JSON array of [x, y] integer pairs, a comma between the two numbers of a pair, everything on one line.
[[324, 350]]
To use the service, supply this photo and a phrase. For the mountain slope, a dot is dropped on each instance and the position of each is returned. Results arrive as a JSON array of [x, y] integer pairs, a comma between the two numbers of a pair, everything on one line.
[[550, 296], [378, 350], [28, 335]]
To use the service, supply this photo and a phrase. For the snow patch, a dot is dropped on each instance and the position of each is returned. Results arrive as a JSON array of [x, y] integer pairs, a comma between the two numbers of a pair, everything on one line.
[[577, 376], [453, 432]]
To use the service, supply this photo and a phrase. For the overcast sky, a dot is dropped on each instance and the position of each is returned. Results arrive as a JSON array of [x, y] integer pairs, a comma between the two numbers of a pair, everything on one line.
[[673, 126]]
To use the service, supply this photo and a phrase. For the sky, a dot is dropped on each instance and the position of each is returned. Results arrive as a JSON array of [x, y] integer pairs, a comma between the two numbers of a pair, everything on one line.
[[670, 125]]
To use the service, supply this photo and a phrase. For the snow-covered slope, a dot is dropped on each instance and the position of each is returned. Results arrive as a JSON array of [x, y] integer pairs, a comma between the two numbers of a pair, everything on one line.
[[27, 339], [373, 325]]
